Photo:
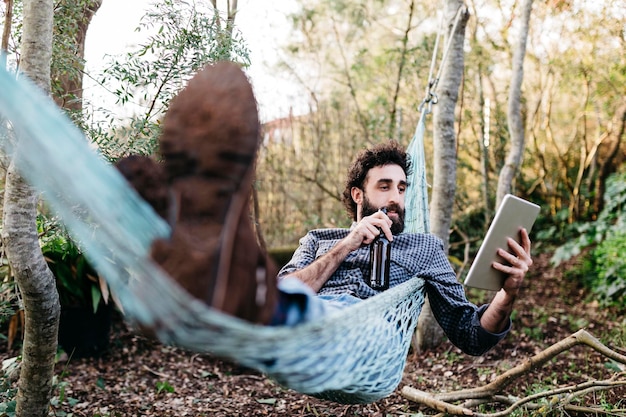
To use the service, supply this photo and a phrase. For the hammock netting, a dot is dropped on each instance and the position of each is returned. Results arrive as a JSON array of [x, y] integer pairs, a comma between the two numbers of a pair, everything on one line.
[[356, 355], [416, 201]]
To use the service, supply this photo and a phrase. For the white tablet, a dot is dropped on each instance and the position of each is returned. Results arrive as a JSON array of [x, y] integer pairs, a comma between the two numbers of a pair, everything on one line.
[[513, 214]]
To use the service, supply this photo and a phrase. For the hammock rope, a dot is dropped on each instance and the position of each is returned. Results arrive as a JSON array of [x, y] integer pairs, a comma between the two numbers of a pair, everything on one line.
[[430, 97], [356, 355], [416, 200]]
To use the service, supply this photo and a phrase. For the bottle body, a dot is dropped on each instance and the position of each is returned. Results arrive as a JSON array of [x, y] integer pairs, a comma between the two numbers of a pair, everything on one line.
[[380, 262]]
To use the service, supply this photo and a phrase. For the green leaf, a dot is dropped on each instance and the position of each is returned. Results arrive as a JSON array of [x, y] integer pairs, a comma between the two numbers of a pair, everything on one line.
[[614, 366], [8, 408], [164, 386], [96, 297]]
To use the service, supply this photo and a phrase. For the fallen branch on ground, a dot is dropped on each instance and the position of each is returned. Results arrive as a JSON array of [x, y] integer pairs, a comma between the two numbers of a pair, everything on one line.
[[561, 397]]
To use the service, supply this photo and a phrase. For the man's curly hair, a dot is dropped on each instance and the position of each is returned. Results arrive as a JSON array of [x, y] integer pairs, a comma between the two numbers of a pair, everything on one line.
[[380, 155]]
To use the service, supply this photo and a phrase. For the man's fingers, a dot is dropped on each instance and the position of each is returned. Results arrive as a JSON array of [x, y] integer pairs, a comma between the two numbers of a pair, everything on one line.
[[372, 232], [520, 259], [385, 224]]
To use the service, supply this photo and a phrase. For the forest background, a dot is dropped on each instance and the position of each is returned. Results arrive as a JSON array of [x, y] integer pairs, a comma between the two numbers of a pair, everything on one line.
[[574, 112], [364, 69]]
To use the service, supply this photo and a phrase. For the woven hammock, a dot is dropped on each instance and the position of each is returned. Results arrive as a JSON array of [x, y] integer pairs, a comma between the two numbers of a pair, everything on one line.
[[416, 201], [356, 355]]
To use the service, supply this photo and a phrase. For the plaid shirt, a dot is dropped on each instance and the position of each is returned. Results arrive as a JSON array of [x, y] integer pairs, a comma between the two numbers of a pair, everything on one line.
[[411, 255]]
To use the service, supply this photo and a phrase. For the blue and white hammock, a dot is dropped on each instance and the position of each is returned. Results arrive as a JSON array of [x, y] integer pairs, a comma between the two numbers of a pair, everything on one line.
[[354, 356]]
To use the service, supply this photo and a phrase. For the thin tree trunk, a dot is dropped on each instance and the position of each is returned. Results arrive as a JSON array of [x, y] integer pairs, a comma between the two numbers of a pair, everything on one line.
[[429, 334], [484, 123], [70, 95], [231, 11], [608, 165], [444, 161], [19, 235], [6, 31], [4, 46], [393, 114], [515, 118]]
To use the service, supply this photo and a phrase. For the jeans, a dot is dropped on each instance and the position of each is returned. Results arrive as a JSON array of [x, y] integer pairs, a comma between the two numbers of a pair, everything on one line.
[[298, 303]]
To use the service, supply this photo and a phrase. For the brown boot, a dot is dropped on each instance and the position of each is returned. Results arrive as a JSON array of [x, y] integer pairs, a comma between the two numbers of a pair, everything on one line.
[[148, 178], [209, 144]]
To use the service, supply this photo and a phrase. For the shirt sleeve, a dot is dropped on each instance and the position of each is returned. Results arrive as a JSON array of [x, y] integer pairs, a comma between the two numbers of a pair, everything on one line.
[[459, 319], [303, 256]]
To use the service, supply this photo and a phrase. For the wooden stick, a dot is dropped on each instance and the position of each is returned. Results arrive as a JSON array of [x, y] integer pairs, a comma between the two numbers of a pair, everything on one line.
[[427, 399], [489, 393], [580, 337]]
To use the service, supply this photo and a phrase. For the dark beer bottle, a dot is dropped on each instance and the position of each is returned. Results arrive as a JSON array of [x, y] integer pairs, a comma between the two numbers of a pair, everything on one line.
[[380, 261]]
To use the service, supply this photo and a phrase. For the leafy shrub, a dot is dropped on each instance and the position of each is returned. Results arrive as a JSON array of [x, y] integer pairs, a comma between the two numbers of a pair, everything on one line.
[[77, 282], [550, 231], [181, 38], [604, 269], [610, 267]]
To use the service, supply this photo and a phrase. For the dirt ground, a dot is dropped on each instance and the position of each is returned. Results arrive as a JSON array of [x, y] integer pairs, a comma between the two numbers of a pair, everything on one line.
[[138, 377]]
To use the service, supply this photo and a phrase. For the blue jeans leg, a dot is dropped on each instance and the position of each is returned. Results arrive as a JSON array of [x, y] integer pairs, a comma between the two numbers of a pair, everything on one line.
[[298, 303]]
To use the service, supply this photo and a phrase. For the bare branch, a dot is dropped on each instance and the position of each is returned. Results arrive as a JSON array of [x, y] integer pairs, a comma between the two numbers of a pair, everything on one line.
[[560, 397]]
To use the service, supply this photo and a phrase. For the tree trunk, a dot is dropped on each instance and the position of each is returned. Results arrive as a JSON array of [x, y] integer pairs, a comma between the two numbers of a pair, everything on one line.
[[4, 46], [19, 235], [70, 83], [231, 15], [515, 118], [395, 112], [429, 334], [609, 165], [444, 160], [6, 31], [484, 114]]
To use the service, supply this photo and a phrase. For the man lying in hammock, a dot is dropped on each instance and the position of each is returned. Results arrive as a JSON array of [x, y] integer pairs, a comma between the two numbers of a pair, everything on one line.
[[208, 146]]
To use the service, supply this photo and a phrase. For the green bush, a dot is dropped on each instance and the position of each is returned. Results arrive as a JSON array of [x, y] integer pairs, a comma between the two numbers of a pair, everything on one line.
[[610, 267], [77, 282], [180, 39], [603, 268]]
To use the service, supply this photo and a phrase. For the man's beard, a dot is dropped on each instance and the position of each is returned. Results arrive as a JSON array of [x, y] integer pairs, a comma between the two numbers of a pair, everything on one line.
[[397, 225]]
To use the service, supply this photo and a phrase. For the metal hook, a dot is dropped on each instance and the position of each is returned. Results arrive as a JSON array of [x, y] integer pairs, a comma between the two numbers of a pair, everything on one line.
[[430, 99]]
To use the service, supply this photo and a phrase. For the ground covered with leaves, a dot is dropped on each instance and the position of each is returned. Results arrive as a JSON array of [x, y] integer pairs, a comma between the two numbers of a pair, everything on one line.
[[139, 377]]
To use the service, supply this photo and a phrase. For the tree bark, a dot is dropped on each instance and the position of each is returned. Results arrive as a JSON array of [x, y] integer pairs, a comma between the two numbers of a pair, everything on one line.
[[19, 235], [429, 334], [394, 112], [609, 166], [484, 114], [6, 31], [231, 15], [4, 46], [445, 149], [70, 93], [515, 118]]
